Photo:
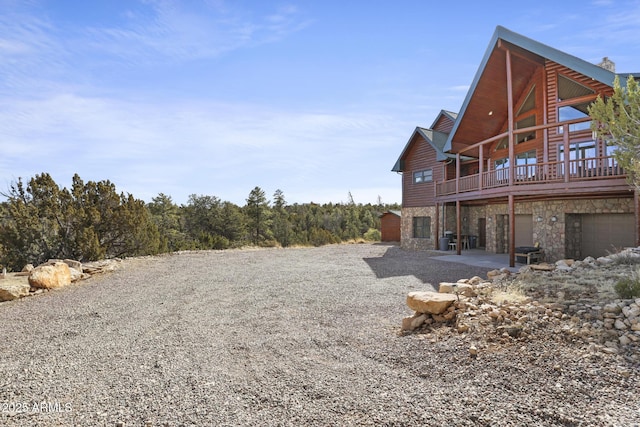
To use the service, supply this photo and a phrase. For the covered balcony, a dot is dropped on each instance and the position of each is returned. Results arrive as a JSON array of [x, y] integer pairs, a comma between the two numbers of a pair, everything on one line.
[[584, 172]]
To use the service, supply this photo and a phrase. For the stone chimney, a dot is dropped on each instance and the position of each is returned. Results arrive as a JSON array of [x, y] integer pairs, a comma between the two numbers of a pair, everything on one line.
[[608, 64]]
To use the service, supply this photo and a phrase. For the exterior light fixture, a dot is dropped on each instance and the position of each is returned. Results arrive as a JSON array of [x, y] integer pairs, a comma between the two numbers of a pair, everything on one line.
[[554, 218], [539, 219], [491, 113]]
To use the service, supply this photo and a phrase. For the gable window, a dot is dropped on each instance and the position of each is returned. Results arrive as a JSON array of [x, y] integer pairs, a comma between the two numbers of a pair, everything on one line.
[[529, 103], [421, 227], [569, 90], [525, 123], [423, 176]]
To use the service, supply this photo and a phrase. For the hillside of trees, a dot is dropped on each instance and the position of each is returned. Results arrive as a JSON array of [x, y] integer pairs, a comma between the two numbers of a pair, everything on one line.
[[39, 220]]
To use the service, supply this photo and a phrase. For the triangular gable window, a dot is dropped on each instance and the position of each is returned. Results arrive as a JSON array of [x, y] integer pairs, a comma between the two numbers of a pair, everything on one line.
[[529, 103], [569, 89]]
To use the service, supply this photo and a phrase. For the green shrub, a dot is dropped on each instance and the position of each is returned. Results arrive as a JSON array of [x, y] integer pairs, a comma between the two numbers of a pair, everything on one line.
[[628, 287], [321, 237], [372, 235]]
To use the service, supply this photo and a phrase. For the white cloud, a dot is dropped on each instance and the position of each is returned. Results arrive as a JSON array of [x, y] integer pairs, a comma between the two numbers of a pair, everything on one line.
[[173, 31], [187, 145]]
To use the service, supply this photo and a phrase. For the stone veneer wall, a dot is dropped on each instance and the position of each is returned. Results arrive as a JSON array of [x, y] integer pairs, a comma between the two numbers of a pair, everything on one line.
[[559, 238], [406, 229]]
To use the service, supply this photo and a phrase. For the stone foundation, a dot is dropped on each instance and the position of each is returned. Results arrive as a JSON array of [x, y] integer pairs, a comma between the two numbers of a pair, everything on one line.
[[560, 238], [406, 229], [557, 224]]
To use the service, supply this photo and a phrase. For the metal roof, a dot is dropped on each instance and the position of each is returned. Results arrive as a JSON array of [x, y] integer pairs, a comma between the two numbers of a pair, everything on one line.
[[436, 139], [586, 68]]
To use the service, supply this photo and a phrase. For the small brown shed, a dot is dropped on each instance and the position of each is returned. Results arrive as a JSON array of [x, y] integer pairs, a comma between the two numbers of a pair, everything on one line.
[[390, 226]]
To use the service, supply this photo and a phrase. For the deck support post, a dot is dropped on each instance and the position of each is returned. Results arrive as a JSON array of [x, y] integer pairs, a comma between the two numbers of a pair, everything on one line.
[[566, 152], [458, 229], [437, 227], [512, 231]]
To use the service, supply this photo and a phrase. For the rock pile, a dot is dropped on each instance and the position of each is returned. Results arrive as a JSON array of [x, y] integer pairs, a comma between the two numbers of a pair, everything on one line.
[[53, 274], [474, 309]]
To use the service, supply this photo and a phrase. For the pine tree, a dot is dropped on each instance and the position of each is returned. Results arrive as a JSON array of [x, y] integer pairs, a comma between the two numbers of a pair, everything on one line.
[[281, 224], [258, 215]]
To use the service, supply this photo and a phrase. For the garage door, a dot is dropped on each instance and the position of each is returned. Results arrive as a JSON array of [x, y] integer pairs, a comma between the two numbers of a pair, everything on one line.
[[524, 230], [604, 233]]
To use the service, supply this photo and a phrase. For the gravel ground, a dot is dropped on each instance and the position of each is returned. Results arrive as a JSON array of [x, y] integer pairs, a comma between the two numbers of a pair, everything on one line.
[[285, 337]]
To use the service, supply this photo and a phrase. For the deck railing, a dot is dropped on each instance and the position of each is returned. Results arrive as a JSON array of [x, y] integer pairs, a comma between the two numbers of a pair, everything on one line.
[[593, 168]]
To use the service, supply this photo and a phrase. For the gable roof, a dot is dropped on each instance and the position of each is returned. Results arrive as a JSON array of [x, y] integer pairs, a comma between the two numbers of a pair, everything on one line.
[[537, 49], [392, 212], [436, 139], [444, 113]]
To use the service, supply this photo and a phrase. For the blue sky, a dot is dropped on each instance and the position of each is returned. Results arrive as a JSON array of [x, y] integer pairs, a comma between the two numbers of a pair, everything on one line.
[[214, 97]]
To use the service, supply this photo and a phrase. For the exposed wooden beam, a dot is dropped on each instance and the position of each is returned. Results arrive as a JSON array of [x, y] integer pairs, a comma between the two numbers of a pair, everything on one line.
[[520, 52], [512, 159]]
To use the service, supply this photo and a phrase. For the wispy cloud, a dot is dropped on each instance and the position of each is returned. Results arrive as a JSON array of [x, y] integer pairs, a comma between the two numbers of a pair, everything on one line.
[[174, 32], [171, 144]]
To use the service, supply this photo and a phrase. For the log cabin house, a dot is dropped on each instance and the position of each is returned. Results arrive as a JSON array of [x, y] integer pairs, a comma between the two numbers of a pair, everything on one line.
[[518, 165]]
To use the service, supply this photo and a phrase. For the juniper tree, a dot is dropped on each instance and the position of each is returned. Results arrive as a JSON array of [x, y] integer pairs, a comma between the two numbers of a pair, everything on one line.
[[616, 120]]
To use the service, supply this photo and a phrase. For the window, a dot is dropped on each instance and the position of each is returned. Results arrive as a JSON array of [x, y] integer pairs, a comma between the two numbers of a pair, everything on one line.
[[528, 158], [503, 144], [529, 103], [525, 123], [569, 89], [524, 162], [570, 112], [421, 227], [581, 156], [423, 176], [502, 169], [579, 150]]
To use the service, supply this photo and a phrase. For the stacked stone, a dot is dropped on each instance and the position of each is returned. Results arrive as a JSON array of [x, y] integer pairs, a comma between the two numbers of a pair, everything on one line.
[[52, 274], [468, 309]]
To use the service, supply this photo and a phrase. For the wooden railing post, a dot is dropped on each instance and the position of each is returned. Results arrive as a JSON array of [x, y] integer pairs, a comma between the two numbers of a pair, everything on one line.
[[567, 152], [480, 166], [457, 172]]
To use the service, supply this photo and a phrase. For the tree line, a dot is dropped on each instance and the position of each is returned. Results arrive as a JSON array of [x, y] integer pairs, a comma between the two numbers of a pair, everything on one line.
[[39, 220]]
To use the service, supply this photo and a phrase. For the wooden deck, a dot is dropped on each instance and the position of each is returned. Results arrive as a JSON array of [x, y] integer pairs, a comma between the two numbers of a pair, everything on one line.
[[597, 171]]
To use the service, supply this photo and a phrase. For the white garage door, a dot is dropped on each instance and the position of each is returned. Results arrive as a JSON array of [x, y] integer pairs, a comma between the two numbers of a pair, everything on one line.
[[605, 233]]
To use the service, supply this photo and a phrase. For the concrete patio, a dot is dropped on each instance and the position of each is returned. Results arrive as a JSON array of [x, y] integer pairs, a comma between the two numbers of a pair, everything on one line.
[[479, 258]]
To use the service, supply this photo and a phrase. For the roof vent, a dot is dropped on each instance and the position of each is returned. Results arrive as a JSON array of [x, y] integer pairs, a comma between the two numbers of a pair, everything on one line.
[[608, 64]]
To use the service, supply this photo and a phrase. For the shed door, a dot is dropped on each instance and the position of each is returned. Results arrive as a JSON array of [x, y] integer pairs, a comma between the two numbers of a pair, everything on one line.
[[524, 230], [605, 233]]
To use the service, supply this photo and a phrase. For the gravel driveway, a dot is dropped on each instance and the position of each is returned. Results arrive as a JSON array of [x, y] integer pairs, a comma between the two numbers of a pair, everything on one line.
[[283, 337]]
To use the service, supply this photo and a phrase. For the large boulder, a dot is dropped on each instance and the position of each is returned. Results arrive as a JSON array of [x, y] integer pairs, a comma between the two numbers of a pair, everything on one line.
[[457, 288], [429, 302], [11, 289], [50, 276]]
